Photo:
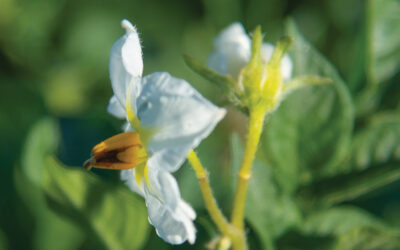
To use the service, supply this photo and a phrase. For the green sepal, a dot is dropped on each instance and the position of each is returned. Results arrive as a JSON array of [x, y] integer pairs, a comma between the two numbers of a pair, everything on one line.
[[304, 81], [281, 48], [224, 82], [252, 74], [273, 83], [256, 43]]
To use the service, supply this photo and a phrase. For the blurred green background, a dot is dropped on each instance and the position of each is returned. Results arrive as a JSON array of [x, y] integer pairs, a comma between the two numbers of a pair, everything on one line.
[[54, 90]]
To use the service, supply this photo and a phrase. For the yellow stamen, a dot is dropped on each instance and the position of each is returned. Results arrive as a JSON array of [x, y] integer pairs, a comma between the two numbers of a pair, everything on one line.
[[122, 151]]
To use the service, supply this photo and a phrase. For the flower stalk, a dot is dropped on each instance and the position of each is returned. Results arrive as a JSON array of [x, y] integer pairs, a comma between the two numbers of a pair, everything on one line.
[[257, 116], [209, 200], [234, 230], [237, 237]]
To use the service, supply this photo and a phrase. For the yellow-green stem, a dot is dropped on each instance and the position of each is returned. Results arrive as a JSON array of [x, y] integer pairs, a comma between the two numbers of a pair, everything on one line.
[[209, 200], [255, 127], [237, 238]]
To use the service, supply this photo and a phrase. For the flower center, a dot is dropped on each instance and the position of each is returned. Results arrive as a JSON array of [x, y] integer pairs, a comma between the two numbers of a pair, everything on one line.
[[122, 151]]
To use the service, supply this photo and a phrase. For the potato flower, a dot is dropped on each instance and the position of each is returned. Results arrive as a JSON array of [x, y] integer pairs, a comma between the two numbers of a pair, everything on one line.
[[166, 119], [232, 52]]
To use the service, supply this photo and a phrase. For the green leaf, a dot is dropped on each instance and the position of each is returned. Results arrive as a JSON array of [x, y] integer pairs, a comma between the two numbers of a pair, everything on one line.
[[373, 162], [309, 135], [294, 240], [3, 241], [380, 57], [232, 11], [116, 216], [36, 20], [110, 215], [43, 140], [346, 187], [354, 229], [383, 29], [369, 239], [338, 220], [377, 143], [268, 211]]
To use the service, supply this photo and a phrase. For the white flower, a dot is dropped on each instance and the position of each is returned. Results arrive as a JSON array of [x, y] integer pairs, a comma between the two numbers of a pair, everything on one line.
[[171, 118], [233, 50]]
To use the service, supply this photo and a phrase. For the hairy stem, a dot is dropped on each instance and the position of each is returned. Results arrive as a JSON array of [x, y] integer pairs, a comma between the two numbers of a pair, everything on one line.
[[209, 200], [255, 127], [237, 238]]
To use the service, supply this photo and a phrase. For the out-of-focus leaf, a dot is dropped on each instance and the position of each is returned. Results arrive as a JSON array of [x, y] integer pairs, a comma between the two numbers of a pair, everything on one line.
[[367, 100], [369, 239], [294, 240], [377, 143], [269, 213], [267, 13], [113, 213], [309, 134], [89, 35], [3, 241], [374, 161], [354, 229], [29, 29], [65, 90], [42, 141], [339, 220], [383, 29], [380, 57], [346, 187], [232, 11]]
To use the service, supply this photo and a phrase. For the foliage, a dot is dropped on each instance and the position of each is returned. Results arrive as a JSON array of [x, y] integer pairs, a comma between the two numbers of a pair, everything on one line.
[[327, 171]]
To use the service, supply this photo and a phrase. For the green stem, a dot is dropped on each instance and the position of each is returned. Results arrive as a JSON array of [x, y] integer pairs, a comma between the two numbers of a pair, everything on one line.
[[255, 127], [209, 200], [237, 238]]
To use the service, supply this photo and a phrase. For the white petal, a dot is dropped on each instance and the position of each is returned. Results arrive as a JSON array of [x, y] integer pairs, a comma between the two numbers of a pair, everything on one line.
[[133, 91], [115, 108], [266, 52], [128, 176], [187, 209], [232, 50], [164, 186], [219, 62], [173, 223], [187, 220], [177, 115], [127, 127], [233, 34], [286, 64], [125, 61], [286, 67], [131, 50]]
